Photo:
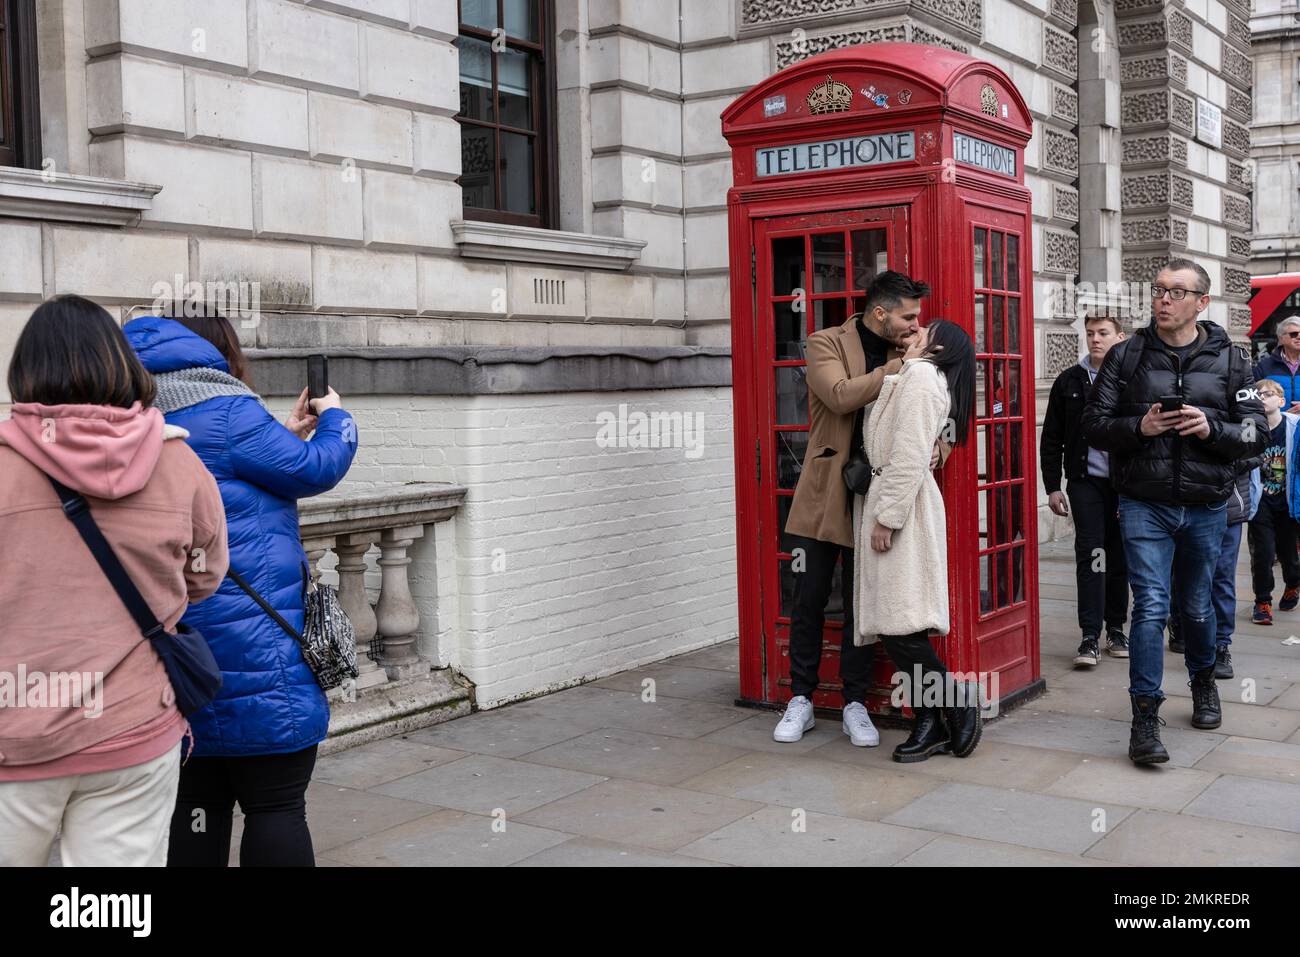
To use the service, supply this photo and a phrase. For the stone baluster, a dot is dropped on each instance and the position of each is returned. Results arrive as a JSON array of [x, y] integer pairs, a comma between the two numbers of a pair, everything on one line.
[[351, 550], [316, 549], [398, 618]]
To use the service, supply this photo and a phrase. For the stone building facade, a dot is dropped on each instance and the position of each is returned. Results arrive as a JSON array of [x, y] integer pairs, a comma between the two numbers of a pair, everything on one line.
[[328, 153], [1275, 136]]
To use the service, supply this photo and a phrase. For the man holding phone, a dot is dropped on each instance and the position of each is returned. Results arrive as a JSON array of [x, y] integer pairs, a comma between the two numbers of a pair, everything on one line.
[[1175, 407]]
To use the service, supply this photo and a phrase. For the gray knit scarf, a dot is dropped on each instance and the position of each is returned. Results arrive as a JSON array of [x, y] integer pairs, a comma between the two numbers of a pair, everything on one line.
[[187, 387]]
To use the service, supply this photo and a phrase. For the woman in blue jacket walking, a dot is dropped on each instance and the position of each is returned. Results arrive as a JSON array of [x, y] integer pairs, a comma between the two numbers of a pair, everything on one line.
[[256, 743]]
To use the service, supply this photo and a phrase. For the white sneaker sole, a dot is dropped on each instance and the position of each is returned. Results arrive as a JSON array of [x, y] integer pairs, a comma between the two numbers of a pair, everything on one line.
[[870, 741], [790, 737]]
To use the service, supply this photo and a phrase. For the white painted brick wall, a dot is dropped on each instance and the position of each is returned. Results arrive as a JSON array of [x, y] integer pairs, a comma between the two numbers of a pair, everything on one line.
[[613, 557]]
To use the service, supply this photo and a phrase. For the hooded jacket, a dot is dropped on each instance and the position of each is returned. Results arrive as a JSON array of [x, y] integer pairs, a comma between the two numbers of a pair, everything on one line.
[[269, 701], [1169, 468], [63, 624]]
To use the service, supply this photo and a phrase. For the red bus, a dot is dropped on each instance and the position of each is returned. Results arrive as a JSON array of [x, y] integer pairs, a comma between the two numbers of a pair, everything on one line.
[[1272, 299]]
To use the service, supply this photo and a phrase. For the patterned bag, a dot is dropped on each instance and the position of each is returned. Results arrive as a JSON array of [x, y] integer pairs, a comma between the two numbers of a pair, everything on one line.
[[328, 640]]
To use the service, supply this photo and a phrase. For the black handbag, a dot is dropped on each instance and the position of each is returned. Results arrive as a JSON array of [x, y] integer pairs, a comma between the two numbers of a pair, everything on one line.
[[857, 470], [191, 667], [328, 641]]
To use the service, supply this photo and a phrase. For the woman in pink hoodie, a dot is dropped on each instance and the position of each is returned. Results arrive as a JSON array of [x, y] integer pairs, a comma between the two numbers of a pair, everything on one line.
[[90, 736]]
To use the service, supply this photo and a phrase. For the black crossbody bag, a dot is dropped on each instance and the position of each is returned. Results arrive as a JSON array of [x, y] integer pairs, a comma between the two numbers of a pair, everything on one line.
[[193, 671], [857, 470]]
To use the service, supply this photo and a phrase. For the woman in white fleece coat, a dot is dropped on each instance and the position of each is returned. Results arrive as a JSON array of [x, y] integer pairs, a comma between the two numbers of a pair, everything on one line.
[[901, 592]]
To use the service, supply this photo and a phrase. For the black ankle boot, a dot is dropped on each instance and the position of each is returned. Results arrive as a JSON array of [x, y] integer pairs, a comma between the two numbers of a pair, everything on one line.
[[965, 724], [1144, 745], [928, 737], [1207, 713]]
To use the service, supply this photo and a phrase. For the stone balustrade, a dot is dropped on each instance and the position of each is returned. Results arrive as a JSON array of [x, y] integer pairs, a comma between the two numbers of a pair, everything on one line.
[[398, 687]]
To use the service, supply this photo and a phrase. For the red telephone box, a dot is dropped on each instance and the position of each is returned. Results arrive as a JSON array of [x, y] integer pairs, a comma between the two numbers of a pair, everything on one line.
[[885, 156]]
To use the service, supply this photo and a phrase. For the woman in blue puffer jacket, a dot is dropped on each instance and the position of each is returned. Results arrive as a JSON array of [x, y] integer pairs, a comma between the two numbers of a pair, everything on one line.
[[256, 743]]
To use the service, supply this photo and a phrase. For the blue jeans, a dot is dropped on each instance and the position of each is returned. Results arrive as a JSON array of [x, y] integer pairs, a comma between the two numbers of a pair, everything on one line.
[[1162, 542], [1223, 592]]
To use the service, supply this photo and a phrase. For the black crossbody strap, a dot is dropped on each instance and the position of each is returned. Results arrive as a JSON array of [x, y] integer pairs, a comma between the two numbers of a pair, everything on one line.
[[77, 509], [238, 579]]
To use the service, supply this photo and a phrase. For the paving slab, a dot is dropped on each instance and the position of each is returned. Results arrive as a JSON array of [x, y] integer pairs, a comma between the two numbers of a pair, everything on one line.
[[337, 815], [799, 781], [647, 815], [754, 733], [488, 785], [1161, 839], [447, 838], [772, 838], [993, 763], [1253, 801], [677, 681], [1112, 702], [722, 657], [379, 762], [593, 708], [1120, 781], [1253, 758], [636, 756], [945, 851], [586, 852], [505, 733], [1094, 735], [1011, 817]]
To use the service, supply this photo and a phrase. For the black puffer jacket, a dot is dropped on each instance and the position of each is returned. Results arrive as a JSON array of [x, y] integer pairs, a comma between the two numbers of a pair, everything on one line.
[[1215, 377]]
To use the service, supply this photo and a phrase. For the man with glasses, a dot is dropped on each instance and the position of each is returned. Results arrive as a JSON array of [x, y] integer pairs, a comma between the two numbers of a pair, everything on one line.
[[1175, 407], [1282, 363]]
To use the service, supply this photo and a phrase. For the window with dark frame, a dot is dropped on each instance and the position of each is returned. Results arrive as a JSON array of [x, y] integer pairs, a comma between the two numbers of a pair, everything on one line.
[[507, 107], [20, 127]]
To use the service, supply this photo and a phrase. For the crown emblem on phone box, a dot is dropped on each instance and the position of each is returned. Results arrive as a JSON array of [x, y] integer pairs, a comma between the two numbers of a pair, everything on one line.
[[831, 96]]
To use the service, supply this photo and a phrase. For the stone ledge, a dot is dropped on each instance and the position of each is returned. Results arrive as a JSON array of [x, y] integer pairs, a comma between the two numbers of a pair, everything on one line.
[[495, 370], [73, 199], [415, 503], [396, 708], [501, 241]]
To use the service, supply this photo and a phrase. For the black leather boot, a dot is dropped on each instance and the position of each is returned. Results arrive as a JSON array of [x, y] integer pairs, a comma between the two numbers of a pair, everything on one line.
[[965, 724], [1207, 713], [1223, 663], [928, 737], [1144, 745]]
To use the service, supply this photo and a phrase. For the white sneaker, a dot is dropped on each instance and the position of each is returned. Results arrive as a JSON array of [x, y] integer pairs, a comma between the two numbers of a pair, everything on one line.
[[857, 725], [797, 719]]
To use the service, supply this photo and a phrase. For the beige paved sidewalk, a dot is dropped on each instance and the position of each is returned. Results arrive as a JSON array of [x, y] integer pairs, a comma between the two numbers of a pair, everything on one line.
[[594, 775]]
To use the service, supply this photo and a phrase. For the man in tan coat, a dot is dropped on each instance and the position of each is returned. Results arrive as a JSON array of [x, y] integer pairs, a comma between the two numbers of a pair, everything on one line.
[[847, 365]]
